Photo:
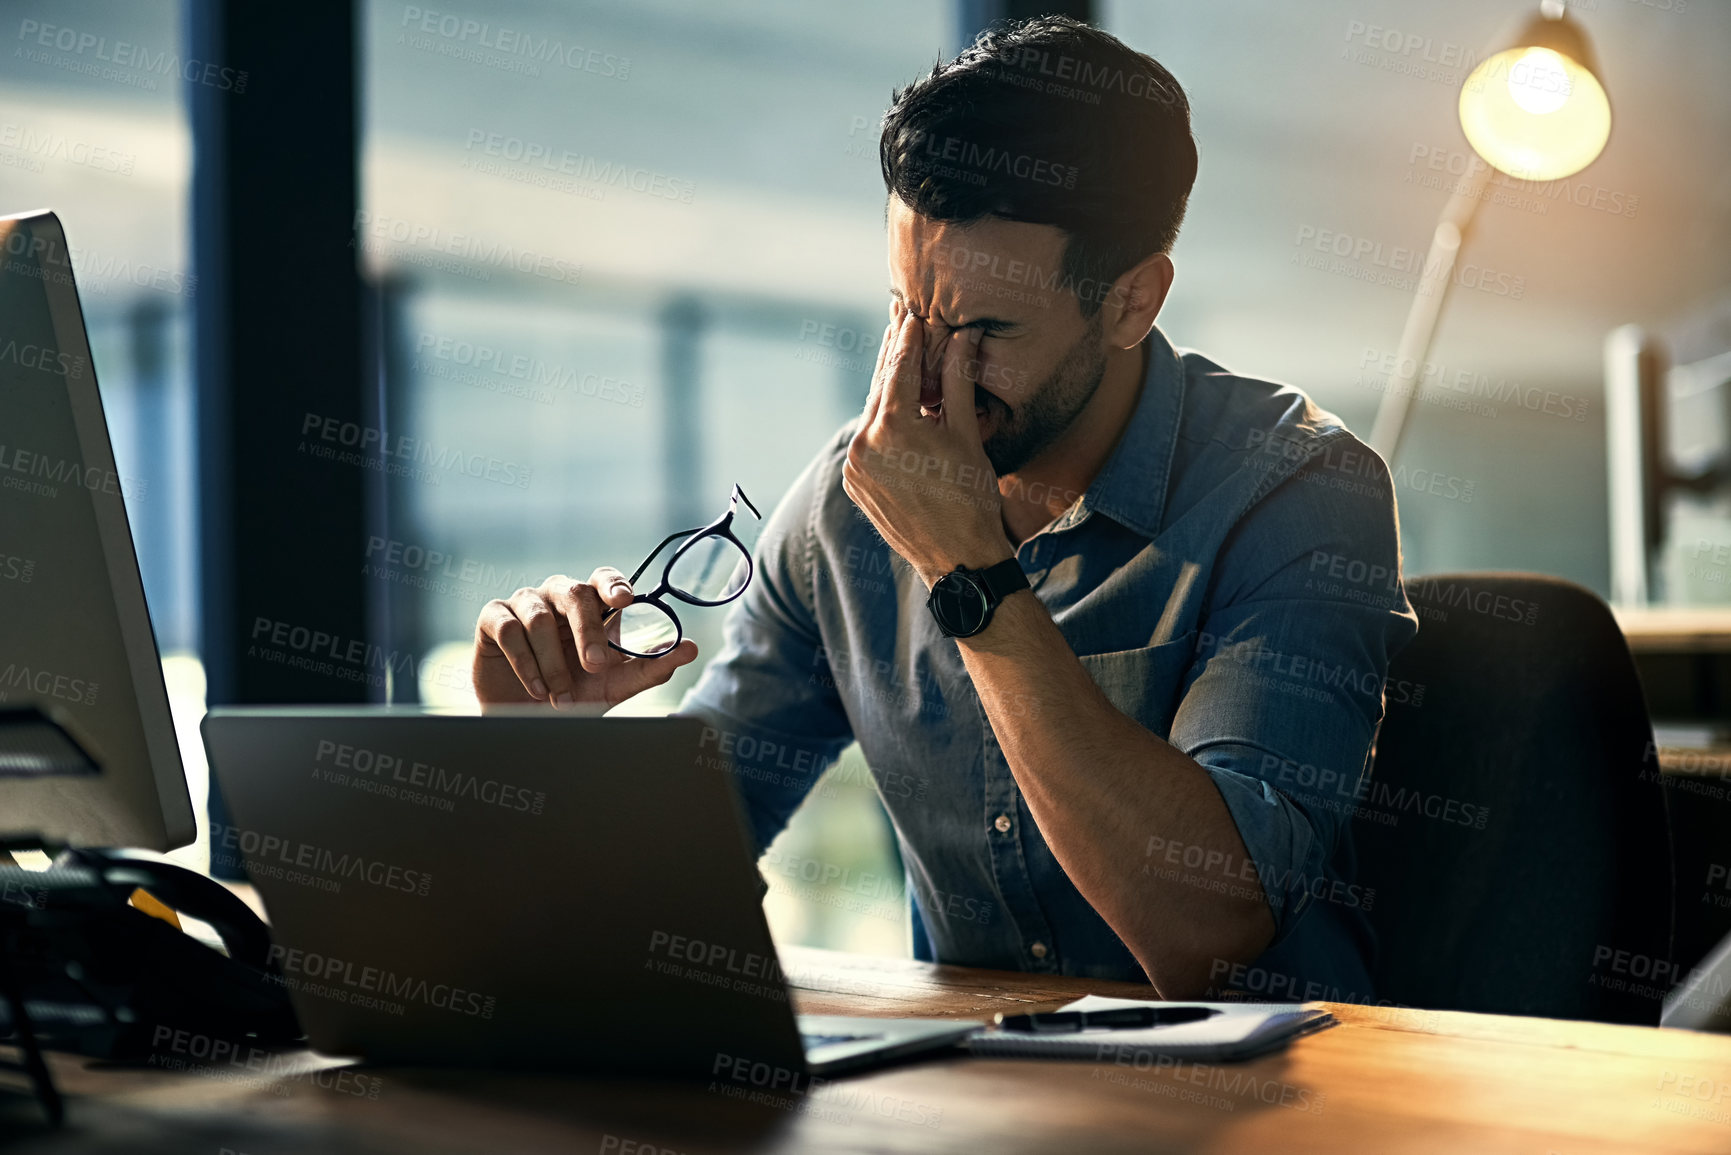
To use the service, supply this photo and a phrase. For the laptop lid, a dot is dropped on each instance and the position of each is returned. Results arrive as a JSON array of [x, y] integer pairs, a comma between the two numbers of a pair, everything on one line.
[[521, 889]]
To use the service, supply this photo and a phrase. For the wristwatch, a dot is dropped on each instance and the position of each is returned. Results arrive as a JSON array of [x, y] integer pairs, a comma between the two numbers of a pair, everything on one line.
[[963, 600]]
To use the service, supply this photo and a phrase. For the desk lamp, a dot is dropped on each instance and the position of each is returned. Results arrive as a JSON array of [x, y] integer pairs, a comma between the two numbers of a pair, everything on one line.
[[1534, 110]]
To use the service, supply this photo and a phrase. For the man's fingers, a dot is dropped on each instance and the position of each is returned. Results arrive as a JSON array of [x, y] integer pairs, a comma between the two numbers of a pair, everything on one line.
[[883, 378], [639, 674], [902, 372], [876, 390], [875, 393], [613, 586], [581, 606], [961, 369], [500, 626], [541, 622], [585, 616]]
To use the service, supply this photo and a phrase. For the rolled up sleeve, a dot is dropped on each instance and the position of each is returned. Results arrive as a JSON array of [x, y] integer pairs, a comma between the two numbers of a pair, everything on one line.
[[1287, 690], [768, 702]]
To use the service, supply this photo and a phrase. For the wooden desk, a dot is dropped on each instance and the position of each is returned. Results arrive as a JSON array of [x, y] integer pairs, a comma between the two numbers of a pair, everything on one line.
[[1655, 630], [1386, 1080]]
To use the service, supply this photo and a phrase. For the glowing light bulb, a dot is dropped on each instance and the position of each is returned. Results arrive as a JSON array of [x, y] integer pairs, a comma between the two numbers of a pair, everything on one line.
[[1535, 113], [1539, 81]]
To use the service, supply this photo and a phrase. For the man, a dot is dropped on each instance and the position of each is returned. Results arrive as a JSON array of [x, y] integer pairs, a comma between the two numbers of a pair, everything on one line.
[[1144, 764]]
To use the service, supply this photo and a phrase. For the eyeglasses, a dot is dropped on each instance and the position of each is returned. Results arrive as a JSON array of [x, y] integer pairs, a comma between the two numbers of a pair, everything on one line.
[[711, 568]]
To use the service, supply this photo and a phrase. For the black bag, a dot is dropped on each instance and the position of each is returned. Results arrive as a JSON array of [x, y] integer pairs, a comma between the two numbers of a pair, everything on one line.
[[99, 977]]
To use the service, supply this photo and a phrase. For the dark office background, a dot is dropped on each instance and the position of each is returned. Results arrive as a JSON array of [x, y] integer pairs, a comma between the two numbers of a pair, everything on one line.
[[566, 364]]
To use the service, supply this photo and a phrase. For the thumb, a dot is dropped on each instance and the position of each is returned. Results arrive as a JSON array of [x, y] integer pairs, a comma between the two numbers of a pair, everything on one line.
[[628, 679]]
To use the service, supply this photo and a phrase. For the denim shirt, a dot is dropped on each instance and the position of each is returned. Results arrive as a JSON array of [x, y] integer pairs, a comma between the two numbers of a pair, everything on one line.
[[1230, 580]]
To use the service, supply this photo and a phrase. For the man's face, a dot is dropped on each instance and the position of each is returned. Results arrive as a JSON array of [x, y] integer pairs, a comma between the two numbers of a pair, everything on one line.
[[1039, 360]]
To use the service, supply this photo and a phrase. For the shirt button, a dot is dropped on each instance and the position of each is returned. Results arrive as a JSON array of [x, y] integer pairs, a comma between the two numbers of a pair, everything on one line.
[[1038, 950], [1003, 824]]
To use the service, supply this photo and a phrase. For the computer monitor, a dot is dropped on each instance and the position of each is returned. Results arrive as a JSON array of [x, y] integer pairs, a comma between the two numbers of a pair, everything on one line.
[[75, 636]]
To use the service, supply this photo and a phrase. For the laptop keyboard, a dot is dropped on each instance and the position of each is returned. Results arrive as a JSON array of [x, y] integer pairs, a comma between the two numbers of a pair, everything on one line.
[[812, 1041]]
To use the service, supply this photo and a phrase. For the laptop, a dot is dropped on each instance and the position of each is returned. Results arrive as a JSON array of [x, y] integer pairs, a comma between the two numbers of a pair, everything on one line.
[[522, 889]]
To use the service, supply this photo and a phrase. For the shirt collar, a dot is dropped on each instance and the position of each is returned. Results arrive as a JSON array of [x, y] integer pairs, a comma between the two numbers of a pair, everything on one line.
[[1131, 488]]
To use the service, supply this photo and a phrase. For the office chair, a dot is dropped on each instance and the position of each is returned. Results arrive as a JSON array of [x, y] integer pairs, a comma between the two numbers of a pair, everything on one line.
[[1531, 714]]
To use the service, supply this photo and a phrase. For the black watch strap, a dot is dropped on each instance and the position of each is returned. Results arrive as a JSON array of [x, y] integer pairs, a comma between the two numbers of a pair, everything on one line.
[[1002, 580]]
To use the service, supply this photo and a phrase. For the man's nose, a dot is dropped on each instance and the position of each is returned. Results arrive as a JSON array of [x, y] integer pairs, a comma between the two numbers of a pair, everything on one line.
[[932, 360]]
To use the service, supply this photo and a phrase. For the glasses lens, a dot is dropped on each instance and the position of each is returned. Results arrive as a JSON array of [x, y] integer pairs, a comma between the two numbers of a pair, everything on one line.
[[645, 628], [712, 570]]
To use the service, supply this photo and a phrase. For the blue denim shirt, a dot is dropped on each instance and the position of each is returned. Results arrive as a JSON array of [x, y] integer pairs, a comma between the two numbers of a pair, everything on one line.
[[1231, 580]]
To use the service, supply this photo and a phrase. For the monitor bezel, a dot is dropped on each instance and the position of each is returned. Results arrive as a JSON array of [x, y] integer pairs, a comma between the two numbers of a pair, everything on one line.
[[174, 824]]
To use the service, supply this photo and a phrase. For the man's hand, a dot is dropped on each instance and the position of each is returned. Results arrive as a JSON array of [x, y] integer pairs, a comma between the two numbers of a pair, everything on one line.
[[924, 480], [548, 645]]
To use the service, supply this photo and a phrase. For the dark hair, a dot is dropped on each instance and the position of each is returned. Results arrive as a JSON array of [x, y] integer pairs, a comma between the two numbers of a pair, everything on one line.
[[1051, 122]]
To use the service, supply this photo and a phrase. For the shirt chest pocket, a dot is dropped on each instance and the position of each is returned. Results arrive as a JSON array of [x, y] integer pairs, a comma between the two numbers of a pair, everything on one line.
[[1144, 683]]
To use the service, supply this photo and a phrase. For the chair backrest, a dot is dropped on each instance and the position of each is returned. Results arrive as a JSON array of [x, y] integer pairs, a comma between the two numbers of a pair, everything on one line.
[[1514, 829]]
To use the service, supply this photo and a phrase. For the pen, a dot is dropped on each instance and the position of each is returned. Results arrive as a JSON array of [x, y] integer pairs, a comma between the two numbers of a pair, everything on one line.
[[1121, 1018]]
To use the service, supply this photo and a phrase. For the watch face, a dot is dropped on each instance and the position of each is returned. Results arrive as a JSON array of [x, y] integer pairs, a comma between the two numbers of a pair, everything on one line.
[[959, 605]]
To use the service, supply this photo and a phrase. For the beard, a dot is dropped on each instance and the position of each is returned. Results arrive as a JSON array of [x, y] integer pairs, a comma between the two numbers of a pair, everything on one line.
[[1023, 433]]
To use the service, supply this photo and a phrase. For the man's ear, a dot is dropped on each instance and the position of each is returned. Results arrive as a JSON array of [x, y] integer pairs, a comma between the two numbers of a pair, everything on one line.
[[1130, 308]]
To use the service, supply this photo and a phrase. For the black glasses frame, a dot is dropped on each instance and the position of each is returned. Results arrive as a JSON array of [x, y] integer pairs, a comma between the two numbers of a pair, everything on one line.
[[720, 527]]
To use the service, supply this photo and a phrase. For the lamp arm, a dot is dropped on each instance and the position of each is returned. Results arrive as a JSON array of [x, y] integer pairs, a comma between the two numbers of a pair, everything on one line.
[[1427, 304]]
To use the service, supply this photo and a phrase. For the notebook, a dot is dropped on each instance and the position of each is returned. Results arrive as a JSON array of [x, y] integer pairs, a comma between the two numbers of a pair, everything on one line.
[[1236, 1031]]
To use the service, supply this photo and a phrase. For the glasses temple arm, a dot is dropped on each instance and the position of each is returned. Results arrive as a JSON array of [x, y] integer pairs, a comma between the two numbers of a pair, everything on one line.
[[740, 494], [638, 572]]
